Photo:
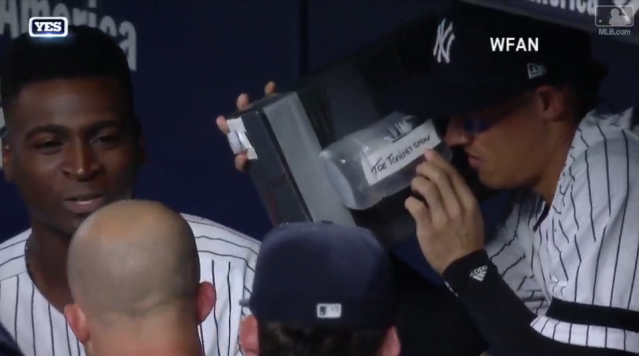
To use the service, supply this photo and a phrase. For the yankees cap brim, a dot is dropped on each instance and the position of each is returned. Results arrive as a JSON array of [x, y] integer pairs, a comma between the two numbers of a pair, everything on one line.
[[450, 99], [443, 97]]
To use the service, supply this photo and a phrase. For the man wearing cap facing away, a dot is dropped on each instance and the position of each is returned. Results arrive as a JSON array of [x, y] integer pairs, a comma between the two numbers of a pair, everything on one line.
[[560, 277], [321, 289], [134, 273]]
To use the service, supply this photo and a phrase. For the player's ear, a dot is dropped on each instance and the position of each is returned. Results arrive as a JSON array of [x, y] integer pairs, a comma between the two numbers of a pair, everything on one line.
[[550, 102], [391, 345], [77, 322], [206, 298], [248, 336], [6, 159]]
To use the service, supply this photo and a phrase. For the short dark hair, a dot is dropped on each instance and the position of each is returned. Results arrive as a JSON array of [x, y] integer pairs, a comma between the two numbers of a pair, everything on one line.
[[586, 91], [86, 52], [584, 81], [276, 339]]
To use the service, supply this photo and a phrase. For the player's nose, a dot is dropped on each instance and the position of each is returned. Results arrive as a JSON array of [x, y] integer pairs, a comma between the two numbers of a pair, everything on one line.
[[456, 134], [80, 163]]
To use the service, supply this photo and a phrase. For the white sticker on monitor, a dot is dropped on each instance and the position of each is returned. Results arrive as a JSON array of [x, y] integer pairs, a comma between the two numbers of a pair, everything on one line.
[[400, 153]]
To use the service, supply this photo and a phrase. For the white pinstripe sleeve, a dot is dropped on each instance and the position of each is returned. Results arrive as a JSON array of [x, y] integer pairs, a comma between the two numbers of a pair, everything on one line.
[[596, 246], [248, 281], [506, 251], [227, 259]]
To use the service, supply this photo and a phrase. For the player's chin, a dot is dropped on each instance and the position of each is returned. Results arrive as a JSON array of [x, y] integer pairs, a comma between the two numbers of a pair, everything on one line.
[[492, 181], [63, 225], [71, 224], [479, 189], [71, 219]]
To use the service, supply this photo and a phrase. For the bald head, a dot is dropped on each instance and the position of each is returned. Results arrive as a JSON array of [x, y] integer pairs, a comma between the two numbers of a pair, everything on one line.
[[132, 258]]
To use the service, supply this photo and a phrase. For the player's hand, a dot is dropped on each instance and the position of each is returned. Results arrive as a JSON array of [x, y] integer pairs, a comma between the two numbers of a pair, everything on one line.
[[450, 224], [242, 103]]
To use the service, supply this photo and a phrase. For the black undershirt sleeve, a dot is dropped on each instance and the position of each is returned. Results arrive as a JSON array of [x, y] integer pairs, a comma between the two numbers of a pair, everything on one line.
[[500, 316], [430, 320]]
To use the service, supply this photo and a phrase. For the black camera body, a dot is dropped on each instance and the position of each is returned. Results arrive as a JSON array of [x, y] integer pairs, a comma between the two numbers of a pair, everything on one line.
[[287, 131]]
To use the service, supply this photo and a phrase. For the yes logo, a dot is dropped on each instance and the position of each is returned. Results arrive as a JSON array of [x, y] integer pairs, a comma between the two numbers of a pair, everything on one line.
[[48, 27]]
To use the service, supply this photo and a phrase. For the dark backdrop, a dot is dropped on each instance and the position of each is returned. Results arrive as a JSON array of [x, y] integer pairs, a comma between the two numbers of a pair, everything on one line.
[[194, 57]]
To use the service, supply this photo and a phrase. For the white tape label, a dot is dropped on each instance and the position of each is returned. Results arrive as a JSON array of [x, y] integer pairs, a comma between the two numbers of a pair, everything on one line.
[[238, 140], [400, 153]]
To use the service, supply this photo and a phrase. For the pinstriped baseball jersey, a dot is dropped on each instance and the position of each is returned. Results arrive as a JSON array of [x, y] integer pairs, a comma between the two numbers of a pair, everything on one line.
[[507, 253], [227, 259], [585, 251]]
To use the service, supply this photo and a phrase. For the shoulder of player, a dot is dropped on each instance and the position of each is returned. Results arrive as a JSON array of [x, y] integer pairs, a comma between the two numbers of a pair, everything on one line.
[[607, 159], [621, 147], [618, 148], [218, 240], [12, 255]]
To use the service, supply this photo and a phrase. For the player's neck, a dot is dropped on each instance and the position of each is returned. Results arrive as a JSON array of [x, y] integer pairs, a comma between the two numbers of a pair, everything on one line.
[[117, 348], [173, 341], [46, 258], [546, 184]]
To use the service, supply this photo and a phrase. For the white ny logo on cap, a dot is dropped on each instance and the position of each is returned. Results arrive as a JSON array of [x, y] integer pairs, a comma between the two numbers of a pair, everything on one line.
[[329, 310], [445, 37], [536, 70]]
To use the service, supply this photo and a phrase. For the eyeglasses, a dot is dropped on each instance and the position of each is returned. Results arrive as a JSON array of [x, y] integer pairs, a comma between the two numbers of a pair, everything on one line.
[[478, 123], [475, 124]]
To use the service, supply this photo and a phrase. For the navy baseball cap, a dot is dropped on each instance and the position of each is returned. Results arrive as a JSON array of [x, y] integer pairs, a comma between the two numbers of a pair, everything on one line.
[[323, 275], [470, 73]]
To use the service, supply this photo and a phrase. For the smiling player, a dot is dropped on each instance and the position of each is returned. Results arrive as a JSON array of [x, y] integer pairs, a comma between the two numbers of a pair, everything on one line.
[[74, 144]]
